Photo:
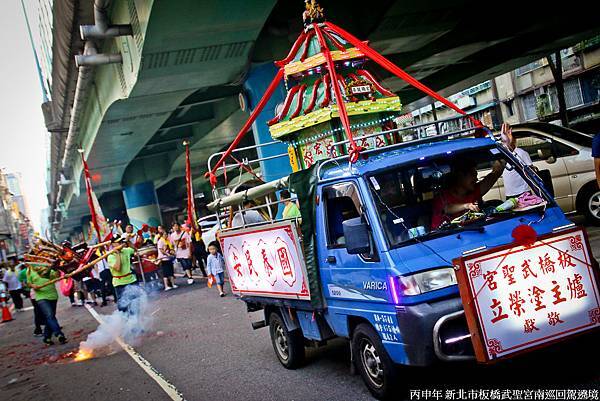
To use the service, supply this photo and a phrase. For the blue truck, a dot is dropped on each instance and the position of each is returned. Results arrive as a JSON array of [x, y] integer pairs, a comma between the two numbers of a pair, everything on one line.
[[378, 272]]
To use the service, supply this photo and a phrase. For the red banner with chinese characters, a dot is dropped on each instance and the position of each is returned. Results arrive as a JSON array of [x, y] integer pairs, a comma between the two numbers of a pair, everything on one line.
[[191, 208], [98, 220], [521, 297], [266, 261]]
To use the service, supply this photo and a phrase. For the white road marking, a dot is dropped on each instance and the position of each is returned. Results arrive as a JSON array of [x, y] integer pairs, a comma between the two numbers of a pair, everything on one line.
[[168, 388]]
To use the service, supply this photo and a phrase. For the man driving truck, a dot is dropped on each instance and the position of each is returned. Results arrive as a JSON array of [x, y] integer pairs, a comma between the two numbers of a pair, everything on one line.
[[464, 192]]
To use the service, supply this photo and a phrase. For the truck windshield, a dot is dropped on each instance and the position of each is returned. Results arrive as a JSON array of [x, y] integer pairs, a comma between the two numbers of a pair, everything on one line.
[[419, 199]]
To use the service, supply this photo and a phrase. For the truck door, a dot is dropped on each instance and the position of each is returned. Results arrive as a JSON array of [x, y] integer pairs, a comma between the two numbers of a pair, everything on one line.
[[345, 276]]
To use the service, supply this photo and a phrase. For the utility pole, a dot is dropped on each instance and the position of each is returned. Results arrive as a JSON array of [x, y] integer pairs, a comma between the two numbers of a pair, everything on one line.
[[556, 68]]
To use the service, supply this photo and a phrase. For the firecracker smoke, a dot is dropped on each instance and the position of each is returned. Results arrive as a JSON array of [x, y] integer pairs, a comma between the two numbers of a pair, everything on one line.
[[129, 326]]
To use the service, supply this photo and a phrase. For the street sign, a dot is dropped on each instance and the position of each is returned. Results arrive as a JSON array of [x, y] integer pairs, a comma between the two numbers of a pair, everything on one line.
[[517, 298], [266, 261]]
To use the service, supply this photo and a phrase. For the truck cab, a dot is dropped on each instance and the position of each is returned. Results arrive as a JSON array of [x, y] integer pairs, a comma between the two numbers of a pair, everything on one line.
[[383, 264]]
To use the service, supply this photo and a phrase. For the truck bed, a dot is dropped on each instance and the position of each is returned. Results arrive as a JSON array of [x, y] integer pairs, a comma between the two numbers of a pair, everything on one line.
[[256, 303]]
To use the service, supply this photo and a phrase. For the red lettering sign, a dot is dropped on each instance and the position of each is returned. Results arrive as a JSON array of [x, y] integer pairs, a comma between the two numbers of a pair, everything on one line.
[[526, 269], [516, 303], [509, 274], [498, 315], [546, 264], [536, 297]]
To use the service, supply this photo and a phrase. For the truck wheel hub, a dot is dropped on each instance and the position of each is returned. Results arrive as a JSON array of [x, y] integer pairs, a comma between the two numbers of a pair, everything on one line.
[[372, 363], [281, 342]]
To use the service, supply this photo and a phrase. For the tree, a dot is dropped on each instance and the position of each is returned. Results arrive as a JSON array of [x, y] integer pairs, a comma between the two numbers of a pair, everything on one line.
[[556, 68]]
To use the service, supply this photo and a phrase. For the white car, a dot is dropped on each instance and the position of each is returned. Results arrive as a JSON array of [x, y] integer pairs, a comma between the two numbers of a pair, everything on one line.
[[209, 227], [564, 155]]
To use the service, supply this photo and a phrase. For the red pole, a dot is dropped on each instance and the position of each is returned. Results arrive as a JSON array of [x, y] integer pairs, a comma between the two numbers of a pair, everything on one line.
[[261, 104], [397, 71], [354, 150], [88, 190], [191, 220]]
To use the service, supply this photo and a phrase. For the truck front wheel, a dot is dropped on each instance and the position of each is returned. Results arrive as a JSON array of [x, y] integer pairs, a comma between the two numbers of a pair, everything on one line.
[[288, 345], [372, 361]]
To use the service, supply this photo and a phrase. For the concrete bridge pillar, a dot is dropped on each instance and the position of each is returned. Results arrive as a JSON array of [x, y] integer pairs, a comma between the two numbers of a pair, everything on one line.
[[259, 78], [141, 203]]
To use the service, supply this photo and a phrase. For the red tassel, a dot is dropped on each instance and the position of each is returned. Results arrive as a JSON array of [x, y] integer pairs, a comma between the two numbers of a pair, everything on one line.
[[354, 153], [524, 235], [397, 71], [212, 178]]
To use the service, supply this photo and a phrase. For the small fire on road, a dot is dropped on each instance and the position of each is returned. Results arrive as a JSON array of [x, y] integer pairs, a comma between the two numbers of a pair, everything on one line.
[[71, 357], [83, 355]]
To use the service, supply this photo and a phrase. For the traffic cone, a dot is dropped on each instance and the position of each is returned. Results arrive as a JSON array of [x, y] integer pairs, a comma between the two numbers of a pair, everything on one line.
[[6, 316]]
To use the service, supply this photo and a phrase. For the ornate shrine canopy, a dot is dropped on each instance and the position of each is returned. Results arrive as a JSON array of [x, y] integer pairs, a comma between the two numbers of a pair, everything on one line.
[[325, 79], [306, 52], [312, 102]]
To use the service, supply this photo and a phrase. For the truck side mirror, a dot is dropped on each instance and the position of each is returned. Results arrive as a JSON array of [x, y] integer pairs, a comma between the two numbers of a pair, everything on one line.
[[356, 233]]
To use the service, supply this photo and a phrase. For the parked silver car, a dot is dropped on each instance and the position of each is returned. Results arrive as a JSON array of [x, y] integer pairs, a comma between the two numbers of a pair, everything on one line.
[[564, 158]]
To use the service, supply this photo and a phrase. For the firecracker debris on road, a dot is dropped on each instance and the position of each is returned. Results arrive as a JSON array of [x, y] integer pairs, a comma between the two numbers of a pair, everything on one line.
[[205, 347]]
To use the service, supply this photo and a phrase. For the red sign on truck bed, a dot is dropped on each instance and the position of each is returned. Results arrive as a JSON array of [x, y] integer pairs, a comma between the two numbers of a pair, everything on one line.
[[266, 261]]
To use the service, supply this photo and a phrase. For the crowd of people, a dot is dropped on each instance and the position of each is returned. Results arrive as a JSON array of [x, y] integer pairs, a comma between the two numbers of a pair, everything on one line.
[[21, 282], [183, 245], [108, 279]]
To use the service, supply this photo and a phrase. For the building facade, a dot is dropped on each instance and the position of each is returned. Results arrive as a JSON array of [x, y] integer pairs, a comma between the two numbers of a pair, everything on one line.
[[16, 230], [529, 93], [43, 41]]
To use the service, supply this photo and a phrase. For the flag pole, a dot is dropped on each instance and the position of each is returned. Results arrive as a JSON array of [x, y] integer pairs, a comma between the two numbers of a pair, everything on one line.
[[191, 220], [88, 190]]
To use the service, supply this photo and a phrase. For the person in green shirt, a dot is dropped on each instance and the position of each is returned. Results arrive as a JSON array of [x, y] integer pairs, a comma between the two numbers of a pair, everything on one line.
[[123, 276], [290, 211], [38, 318], [22, 275], [46, 298]]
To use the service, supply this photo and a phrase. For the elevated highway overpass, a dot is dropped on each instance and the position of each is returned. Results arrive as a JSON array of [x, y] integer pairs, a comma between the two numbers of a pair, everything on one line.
[[185, 62]]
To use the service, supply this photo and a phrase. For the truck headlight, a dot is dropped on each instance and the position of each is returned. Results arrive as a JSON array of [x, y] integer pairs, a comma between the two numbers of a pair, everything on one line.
[[430, 280]]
